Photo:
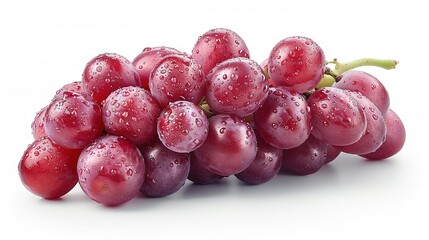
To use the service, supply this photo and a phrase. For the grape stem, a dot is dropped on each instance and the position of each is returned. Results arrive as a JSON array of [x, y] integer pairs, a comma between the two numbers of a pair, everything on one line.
[[340, 68]]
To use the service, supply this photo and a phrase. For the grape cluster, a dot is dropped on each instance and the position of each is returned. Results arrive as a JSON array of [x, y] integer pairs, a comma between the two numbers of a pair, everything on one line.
[[150, 124]]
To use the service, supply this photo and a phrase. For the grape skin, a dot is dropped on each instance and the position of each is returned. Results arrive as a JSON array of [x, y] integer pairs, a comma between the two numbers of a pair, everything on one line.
[[182, 126], [284, 119], [306, 159], [216, 46], [166, 171], [230, 146], [336, 117], [297, 63], [368, 85], [236, 86], [111, 170], [395, 138], [266, 165]]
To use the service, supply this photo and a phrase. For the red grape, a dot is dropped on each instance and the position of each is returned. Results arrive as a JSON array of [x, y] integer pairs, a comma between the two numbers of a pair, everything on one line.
[[236, 86], [216, 46], [375, 132], [166, 171], [111, 170], [336, 116], [297, 63], [395, 138], [199, 174], [177, 77], [72, 121], [131, 112], [76, 87], [47, 169], [284, 119], [366, 84], [182, 126], [148, 59], [230, 146], [106, 73], [306, 159], [266, 165], [38, 124]]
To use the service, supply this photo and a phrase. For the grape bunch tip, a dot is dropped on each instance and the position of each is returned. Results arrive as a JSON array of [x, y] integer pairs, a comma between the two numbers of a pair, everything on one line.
[[149, 125]]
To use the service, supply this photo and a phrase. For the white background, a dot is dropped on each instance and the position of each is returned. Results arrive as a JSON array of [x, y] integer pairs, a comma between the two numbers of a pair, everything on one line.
[[46, 44]]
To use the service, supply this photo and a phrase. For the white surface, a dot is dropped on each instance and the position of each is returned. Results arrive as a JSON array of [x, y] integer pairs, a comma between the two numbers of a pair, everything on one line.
[[45, 44]]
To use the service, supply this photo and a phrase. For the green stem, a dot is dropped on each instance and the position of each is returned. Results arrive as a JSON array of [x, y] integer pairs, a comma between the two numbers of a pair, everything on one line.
[[340, 68], [326, 81]]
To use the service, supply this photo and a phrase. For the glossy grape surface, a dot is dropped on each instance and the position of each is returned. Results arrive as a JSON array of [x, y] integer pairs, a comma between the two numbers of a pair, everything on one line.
[[368, 85], [230, 146], [216, 46], [107, 72], [111, 170], [182, 126], [306, 159], [336, 117], [166, 171], [266, 165], [395, 138], [73, 121], [131, 112], [297, 63], [177, 77], [47, 169], [284, 119], [236, 86], [148, 59]]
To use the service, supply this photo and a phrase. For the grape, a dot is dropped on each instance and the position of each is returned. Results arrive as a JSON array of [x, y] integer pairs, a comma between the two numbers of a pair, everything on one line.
[[332, 154], [72, 121], [148, 59], [284, 119], [266, 165], [182, 126], [47, 169], [177, 77], [306, 159], [199, 174], [230, 146], [216, 46], [395, 138], [111, 170], [106, 73], [76, 87], [131, 112], [166, 171], [236, 86], [366, 84], [375, 132], [336, 117], [297, 63], [38, 124]]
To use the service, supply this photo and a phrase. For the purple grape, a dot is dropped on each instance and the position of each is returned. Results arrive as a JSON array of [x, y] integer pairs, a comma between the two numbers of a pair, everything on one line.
[[266, 165], [306, 159], [201, 175], [166, 171], [332, 154]]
